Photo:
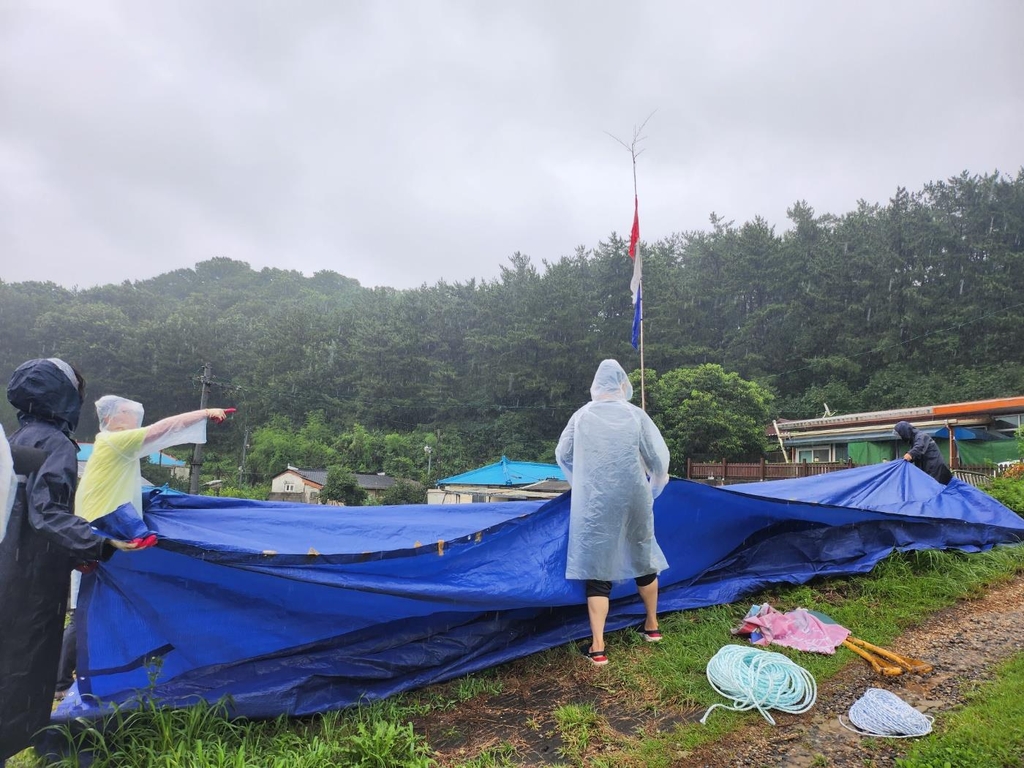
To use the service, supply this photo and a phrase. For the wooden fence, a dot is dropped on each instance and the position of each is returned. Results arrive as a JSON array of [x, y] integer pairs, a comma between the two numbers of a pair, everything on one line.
[[726, 472]]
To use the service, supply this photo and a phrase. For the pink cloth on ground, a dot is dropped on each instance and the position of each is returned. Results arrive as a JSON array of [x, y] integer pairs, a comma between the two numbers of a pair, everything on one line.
[[796, 629]]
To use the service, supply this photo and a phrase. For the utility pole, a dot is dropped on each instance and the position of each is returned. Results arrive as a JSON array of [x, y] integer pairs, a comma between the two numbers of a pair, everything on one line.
[[242, 475], [197, 451]]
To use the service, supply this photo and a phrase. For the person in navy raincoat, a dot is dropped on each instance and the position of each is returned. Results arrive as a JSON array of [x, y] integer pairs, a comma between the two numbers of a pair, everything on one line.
[[43, 541], [924, 452]]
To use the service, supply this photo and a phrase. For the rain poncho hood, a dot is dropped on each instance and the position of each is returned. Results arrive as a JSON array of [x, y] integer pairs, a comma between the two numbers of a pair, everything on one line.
[[611, 383], [113, 475], [110, 407], [47, 390], [617, 463]]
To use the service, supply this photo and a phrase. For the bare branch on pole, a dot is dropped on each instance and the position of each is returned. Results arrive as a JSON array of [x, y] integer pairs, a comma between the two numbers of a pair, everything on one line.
[[633, 146], [634, 152]]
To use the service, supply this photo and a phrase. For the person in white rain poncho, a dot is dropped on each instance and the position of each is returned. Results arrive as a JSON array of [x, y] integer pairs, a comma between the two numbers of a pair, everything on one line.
[[111, 486], [616, 461], [8, 483]]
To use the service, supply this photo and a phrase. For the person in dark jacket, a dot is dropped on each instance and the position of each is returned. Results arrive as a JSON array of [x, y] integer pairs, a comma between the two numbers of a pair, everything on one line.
[[43, 542], [924, 453]]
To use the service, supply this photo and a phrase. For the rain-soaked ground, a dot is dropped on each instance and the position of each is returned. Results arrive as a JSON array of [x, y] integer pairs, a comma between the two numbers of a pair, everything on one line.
[[963, 643]]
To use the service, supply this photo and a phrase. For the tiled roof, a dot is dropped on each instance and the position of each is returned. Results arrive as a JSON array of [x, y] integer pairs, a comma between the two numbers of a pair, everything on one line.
[[375, 482], [318, 476], [366, 482]]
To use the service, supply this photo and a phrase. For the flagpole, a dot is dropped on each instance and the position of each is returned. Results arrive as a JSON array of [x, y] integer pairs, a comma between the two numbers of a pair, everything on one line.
[[643, 389], [635, 255], [636, 283], [640, 283]]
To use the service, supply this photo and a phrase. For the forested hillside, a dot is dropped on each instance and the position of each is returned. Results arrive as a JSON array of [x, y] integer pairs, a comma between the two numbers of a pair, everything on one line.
[[908, 303]]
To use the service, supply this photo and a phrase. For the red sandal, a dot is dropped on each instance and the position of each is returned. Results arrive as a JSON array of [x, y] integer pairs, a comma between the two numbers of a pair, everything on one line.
[[650, 635], [597, 658]]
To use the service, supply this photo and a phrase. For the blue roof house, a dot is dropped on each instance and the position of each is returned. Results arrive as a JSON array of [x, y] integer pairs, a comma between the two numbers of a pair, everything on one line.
[[178, 467], [502, 481]]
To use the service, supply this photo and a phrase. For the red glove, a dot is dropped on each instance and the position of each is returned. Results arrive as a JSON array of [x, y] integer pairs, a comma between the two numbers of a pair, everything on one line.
[[145, 542]]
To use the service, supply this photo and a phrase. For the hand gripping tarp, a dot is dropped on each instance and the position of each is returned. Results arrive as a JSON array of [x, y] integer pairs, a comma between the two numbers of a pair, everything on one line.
[[296, 609]]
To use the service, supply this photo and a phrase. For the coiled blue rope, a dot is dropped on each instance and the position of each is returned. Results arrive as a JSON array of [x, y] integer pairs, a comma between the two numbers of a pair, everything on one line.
[[761, 680], [882, 713]]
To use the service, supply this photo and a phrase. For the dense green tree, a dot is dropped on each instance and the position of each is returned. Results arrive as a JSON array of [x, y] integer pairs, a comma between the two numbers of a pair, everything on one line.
[[276, 446], [708, 413], [342, 486], [404, 492]]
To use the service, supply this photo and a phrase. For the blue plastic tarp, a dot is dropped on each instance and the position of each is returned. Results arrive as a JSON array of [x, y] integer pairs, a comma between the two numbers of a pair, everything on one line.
[[295, 609]]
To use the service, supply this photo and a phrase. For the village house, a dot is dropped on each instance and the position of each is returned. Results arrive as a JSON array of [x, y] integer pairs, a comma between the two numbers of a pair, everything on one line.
[[502, 481], [982, 433], [305, 485]]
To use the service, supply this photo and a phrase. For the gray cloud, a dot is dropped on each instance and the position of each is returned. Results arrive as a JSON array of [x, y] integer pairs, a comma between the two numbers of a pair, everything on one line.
[[406, 142]]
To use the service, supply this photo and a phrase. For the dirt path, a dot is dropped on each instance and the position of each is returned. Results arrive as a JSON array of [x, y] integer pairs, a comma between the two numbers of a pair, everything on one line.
[[963, 643]]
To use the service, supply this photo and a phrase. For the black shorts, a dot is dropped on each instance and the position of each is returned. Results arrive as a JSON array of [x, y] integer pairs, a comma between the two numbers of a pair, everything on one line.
[[597, 588]]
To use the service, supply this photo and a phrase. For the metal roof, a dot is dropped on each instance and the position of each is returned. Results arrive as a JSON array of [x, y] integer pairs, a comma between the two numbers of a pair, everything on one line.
[[506, 473], [159, 458], [948, 411]]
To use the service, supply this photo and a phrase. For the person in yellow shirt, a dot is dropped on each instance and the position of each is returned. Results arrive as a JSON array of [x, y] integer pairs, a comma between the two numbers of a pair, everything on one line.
[[111, 487]]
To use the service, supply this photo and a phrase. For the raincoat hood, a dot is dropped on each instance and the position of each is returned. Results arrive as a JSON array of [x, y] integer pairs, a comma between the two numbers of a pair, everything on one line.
[[119, 413], [611, 383], [905, 430], [46, 390]]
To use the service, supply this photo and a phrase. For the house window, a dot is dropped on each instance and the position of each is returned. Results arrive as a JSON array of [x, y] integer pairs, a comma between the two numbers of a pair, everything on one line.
[[814, 453], [1008, 424], [314, 496], [288, 487]]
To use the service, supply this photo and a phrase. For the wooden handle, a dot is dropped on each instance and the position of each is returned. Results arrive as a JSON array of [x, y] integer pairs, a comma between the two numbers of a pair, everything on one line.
[[908, 662], [877, 664]]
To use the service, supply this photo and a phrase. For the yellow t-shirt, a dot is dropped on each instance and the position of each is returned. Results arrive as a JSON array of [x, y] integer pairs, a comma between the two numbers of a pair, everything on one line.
[[113, 475]]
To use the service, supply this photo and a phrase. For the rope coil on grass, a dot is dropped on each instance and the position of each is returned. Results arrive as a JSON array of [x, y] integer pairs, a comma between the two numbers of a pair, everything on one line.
[[761, 680], [882, 713]]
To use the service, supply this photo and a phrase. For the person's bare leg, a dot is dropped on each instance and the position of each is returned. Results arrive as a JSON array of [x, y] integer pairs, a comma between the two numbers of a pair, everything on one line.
[[649, 594], [597, 608]]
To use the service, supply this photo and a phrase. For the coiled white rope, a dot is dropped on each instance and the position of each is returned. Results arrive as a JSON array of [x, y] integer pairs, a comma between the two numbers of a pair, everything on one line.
[[761, 680], [882, 713]]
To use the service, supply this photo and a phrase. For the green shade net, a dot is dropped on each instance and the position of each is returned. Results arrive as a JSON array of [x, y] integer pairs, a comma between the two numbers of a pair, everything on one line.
[[872, 453], [984, 451], [972, 452]]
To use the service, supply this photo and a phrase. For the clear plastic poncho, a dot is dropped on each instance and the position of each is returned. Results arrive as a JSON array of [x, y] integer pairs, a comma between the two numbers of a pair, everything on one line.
[[8, 483], [616, 461], [113, 474]]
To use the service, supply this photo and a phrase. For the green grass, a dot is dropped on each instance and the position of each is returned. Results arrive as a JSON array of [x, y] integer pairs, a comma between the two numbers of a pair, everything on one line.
[[501, 756], [987, 733], [900, 592], [577, 724]]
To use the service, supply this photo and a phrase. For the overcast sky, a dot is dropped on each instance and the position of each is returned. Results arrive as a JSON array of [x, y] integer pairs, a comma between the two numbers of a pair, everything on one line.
[[402, 143]]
